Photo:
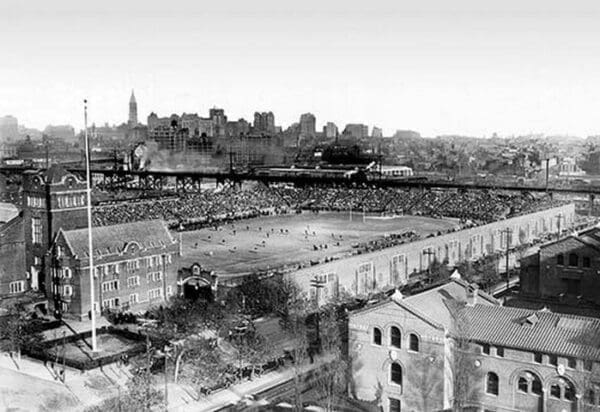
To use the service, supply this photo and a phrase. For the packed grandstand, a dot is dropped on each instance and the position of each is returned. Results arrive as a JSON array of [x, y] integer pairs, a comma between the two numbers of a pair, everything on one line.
[[472, 207]]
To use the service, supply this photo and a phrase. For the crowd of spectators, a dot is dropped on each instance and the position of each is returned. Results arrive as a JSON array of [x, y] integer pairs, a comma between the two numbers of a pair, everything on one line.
[[472, 207]]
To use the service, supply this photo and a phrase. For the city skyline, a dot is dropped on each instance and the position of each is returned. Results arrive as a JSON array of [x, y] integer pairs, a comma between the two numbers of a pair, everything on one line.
[[467, 69]]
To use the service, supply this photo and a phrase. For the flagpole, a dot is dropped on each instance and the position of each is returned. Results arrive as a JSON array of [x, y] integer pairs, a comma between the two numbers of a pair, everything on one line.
[[89, 224]]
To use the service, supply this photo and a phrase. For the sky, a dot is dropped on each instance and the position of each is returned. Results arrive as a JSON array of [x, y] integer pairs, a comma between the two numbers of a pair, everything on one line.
[[467, 67]]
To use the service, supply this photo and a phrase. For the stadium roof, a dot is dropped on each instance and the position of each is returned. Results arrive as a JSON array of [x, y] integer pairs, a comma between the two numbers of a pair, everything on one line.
[[112, 240]]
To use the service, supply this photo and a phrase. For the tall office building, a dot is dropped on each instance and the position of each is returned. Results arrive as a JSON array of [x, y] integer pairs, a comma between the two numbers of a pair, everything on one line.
[[308, 124], [264, 122], [330, 130], [133, 118]]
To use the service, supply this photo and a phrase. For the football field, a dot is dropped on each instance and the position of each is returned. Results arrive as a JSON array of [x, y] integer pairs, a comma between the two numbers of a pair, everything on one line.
[[271, 242]]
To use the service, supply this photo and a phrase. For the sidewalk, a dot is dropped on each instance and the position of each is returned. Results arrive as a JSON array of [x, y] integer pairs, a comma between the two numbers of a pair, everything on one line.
[[234, 394]]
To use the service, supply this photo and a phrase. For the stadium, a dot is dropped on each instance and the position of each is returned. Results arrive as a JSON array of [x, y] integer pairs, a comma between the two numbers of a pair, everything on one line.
[[356, 239]]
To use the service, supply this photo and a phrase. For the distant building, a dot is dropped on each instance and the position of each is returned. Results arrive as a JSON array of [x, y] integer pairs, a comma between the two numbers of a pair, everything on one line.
[[9, 128], [412, 353], [330, 131], [236, 128], [264, 122], [308, 124], [64, 132], [133, 114], [219, 120], [356, 131], [406, 134], [377, 132], [14, 277], [135, 266], [568, 167]]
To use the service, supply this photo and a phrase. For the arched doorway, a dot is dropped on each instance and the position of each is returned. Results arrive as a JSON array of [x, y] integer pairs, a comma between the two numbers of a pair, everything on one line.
[[195, 288]]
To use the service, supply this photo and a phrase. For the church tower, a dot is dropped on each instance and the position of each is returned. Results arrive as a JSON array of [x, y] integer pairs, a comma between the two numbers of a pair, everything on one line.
[[133, 118]]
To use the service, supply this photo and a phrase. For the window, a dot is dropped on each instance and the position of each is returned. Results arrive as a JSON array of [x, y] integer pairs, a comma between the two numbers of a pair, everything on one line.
[[169, 290], [396, 374], [67, 273], [16, 287], [587, 365], [395, 337], [500, 351], [68, 290], [569, 393], [413, 342], [553, 360], [573, 259], [555, 391], [134, 298], [536, 386], [587, 262], [110, 285], [537, 357], [491, 386], [523, 385], [133, 281], [395, 405], [485, 349], [157, 276], [560, 260], [36, 230], [572, 363], [590, 397], [377, 336], [154, 294]]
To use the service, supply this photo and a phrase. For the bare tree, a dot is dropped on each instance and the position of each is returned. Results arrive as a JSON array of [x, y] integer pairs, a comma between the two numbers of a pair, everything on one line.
[[333, 374], [426, 379], [466, 374]]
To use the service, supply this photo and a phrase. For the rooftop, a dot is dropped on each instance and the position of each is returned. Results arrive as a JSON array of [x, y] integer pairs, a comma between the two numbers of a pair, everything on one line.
[[111, 240]]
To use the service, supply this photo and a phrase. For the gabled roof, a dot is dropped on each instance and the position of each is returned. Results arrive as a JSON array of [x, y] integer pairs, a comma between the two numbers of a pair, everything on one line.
[[112, 240], [435, 306], [589, 237], [536, 331]]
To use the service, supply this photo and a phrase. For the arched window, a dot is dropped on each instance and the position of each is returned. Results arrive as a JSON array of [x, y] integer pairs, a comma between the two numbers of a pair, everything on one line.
[[560, 260], [377, 336], [396, 374], [523, 385], [562, 389], [573, 259], [395, 337], [413, 343], [492, 383], [529, 382]]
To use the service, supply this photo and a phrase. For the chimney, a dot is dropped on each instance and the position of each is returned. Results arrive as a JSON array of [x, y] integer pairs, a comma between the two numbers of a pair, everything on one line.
[[472, 295]]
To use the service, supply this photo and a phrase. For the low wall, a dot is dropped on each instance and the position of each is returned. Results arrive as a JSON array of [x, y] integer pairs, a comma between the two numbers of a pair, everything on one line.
[[380, 270]]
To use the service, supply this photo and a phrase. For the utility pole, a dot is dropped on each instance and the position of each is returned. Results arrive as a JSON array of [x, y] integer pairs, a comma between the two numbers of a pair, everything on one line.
[[559, 217], [428, 252], [507, 235], [547, 171]]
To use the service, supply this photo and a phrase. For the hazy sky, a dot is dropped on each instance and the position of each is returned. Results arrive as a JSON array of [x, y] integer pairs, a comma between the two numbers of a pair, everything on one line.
[[463, 66]]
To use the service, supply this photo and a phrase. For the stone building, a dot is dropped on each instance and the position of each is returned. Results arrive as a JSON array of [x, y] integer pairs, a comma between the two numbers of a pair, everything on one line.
[[14, 278], [566, 269], [135, 266], [454, 343]]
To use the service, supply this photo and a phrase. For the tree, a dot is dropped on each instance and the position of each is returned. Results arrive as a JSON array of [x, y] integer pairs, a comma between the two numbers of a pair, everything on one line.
[[465, 372], [17, 331], [332, 380], [426, 379], [292, 307]]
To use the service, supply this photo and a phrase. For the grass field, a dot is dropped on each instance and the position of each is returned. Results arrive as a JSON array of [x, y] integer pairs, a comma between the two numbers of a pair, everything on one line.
[[274, 241]]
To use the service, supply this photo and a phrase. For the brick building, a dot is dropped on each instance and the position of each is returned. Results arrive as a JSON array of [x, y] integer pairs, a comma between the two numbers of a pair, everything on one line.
[[52, 200], [14, 278], [367, 273], [565, 269], [135, 266], [405, 357]]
